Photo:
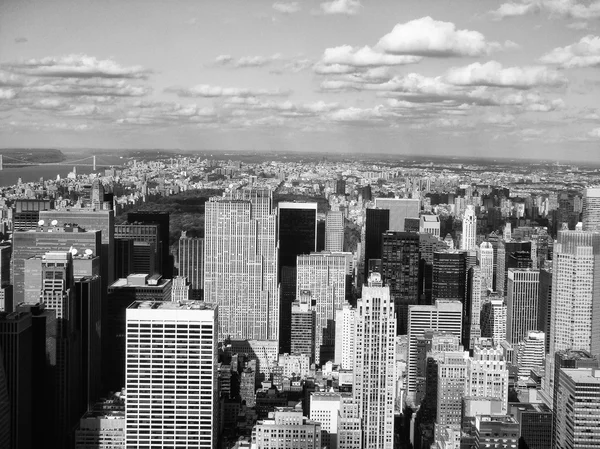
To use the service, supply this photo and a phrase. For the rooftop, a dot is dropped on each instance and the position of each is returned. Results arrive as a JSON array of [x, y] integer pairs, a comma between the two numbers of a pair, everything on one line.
[[185, 305]]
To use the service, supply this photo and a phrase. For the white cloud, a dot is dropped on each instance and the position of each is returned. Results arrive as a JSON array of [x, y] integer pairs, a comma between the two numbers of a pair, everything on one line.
[[205, 90], [348, 7], [594, 133], [500, 119], [364, 57], [286, 7], [83, 86], [75, 66], [492, 73], [7, 94], [512, 9], [247, 61], [223, 59], [585, 53], [576, 9], [429, 37], [353, 114]]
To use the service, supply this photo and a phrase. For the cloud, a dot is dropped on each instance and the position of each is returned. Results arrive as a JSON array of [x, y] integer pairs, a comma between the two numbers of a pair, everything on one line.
[[585, 53], [75, 66], [246, 61], [492, 73], [86, 86], [500, 119], [578, 26], [353, 114], [7, 94], [298, 65], [223, 59], [364, 57], [205, 90], [21, 40], [287, 8], [576, 9], [429, 37], [348, 7], [512, 9], [594, 133]]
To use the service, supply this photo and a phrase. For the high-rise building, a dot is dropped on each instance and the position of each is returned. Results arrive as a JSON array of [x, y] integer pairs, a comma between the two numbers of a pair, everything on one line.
[[400, 271], [591, 209], [303, 329], [182, 382], [180, 289], [325, 276], [147, 247], [577, 409], [349, 434], [521, 303], [240, 264], [486, 262], [443, 316], [430, 224], [345, 336], [5, 434], [487, 375], [325, 409], [26, 213], [287, 429], [451, 383], [530, 354], [161, 219], [535, 424], [472, 307], [377, 221], [124, 253], [334, 231], [496, 432], [297, 231], [103, 426], [5, 267], [493, 319], [374, 367], [575, 317], [506, 249], [469, 229], [449, 275], [545, 305], [191, 258], [16, 339], [400, 208]]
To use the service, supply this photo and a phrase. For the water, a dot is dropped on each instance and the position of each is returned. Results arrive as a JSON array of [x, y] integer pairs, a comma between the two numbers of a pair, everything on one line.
[[9, 176]]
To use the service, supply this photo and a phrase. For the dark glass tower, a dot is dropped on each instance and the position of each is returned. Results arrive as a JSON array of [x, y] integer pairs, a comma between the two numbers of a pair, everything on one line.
[[400, 270], [449, 275], [377, 222], [161, 219]]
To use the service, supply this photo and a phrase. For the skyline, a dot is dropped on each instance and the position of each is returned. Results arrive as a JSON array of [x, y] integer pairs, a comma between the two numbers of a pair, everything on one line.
[[478, 79]]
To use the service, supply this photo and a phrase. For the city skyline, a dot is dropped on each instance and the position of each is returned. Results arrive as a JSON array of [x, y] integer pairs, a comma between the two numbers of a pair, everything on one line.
[[480, 78]]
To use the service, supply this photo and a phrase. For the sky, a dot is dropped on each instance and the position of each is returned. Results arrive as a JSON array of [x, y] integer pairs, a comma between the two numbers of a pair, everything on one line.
[[476, 78]]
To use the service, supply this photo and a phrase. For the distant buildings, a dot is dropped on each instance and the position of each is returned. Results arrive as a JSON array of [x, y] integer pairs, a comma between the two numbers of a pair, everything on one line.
[[400, 208]]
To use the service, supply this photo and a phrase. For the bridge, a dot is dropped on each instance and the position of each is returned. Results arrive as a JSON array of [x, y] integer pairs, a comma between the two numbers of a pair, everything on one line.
[[89, 161]]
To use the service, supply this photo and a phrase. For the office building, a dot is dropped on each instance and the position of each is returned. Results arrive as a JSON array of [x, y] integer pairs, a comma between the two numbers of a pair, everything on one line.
[[103, 426], [545, 305], [349, 434], [325, 277], [124, 257], [345, 336], [496, 432], [375, 364], [27, 244], [182, 381], [521, 303], [147, 247], [304, 323], [469, 229], [530, 354], [286, 429], [577, 409], [165, 266], [486, 262], [443, 316], [26, 213], [240, 263], [297, 364], [493, 319], [591, 209], [451, 384], [191, 258], [506, 258], [400, 271], [325, 409], [5, 260], [180, 289], [487, 375], [449, 275], [400, 208], [16, 345], [377, 221], [430, 224], [334, 231], [472, 307], [535, 424]]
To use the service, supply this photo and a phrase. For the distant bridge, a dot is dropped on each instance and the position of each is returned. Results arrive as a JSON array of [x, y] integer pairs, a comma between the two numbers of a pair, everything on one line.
[[89, 161]]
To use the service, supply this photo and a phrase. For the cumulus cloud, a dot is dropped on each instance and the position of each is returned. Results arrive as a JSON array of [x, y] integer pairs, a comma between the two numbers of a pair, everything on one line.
[[7, 94], [354, 114], [286, 7], [512, 9], [208, 91], [575, 9], [585, 53], [492, 73], [429, 37], [86, 86], [594, 133], [364, 57], [347, 7], [75, 66]]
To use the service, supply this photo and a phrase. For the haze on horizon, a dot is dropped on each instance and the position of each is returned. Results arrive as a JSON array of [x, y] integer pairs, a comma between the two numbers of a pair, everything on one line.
[[468, 78]]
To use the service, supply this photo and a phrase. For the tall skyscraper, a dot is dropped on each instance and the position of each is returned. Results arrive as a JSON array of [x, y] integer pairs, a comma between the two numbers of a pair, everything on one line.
[[374, 369], [472, 307], [304, 325], [591, 209], [182, 383], [334, 231], [575, 309], [452, 377], [486, 261], [26, 213], [521, 303], [400, 208], [400, 271], [297, 231], [449, 275], [487, 375], [191, 258], [469, 229], [147, 250], [162, 220], [325, 276], [240, 263], [443, 316], [377, 221], [345, 336], [506, 249]]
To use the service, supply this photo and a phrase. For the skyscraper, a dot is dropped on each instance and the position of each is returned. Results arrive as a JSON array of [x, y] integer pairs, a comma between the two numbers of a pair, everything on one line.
[[191, 258], [400, 208], [324, 275], [240, 263], [374, 369], [400, 271], [486, 261], [303, 329], [449, 275], [530, 354], [147, 252], [591, 209], [487, 375], [334, 231], [162, 220], [521, 303], [345, 336], [377, 221], [504, 261], [469, 229], [182, 383]]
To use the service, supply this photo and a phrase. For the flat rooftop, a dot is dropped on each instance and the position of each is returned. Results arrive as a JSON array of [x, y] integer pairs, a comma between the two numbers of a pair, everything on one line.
[[184, 305]]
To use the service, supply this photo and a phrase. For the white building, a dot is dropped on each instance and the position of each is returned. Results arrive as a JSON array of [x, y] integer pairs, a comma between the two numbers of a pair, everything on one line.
[[469, 229], [430, 224], [530, 353], [591, 210], [180, 289], [325, 409], [334, 231], [521, 303], [286, 428], [345, 334], [240, 263], [486, 262], [374, 369], [487, 375], [171, 375]]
